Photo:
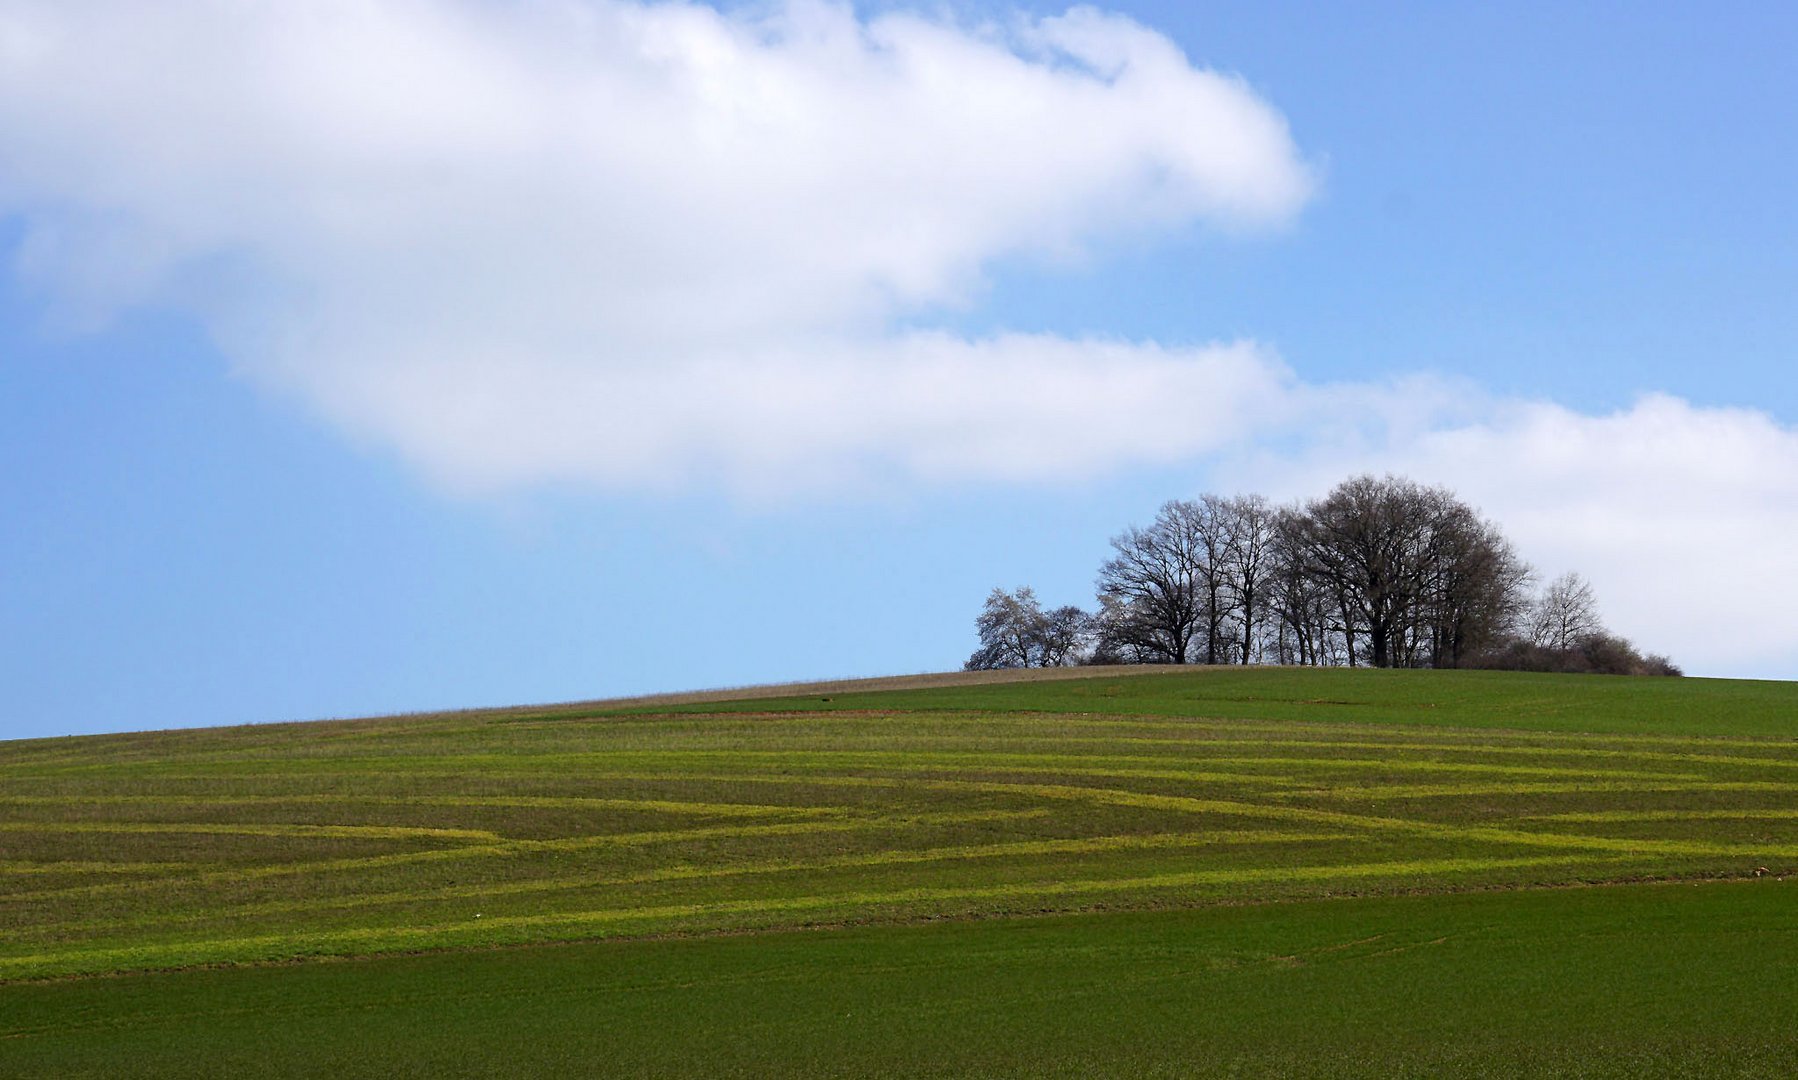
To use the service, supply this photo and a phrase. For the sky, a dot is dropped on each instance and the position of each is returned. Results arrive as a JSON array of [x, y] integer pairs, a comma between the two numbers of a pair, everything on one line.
[[384, 355]]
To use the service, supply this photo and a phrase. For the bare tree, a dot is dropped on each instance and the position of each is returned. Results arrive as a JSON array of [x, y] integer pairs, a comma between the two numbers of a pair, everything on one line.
[[1565, 613], [1167, 591], [1149, 600], [1211, 523], [1121, 635], [1293, 595], [1008, 627], [1381, 570], [1475, 585], [1365, 538], [1015, 632], [1415, 571], [1249, 563], [1064, 636]]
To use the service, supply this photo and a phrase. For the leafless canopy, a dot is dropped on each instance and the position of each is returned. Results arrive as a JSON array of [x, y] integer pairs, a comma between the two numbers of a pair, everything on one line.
[[1015, 632], [1380, 571]]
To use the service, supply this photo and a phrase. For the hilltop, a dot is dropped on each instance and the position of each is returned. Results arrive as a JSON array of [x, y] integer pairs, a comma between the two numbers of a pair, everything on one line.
[[1302, 836]]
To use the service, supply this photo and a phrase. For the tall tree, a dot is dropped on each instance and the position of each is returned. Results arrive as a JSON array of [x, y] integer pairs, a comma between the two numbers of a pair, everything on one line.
[[1475, 584], [1416, 571], [1297, 598], [1149, 600], [1381, 570], [1363, 538], [1249, 563], [1210, 524]]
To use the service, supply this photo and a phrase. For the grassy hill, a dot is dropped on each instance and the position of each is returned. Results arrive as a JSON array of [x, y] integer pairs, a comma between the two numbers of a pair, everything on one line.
[[1021, 877]]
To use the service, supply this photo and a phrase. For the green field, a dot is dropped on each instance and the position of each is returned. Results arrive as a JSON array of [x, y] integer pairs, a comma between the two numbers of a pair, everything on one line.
[[1177, 873]]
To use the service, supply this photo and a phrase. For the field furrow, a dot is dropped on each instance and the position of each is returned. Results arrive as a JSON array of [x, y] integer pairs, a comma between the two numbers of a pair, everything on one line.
[[255, 844]]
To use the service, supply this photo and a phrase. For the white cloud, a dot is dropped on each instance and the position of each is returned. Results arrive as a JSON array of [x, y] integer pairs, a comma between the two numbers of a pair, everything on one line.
[[637, 245], [1681, 516], [632, 244], [819, 415]]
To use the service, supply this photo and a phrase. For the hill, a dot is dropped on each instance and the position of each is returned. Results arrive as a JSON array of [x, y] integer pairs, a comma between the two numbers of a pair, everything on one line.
[[1071, 873]]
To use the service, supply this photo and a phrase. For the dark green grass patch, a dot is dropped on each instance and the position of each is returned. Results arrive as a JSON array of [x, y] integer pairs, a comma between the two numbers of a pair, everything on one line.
[[1467, 699], [1626, 981]]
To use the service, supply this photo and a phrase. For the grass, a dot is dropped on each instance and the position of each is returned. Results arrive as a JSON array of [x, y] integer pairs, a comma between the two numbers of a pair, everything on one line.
[[1626, 981], [1465, 699], [936, 832]]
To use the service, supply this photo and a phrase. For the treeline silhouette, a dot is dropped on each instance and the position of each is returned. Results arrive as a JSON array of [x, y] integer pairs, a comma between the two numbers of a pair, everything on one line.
[[1381, 572]]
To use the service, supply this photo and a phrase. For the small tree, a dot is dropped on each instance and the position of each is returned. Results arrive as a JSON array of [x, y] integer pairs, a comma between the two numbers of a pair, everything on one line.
[[1565, 614], [1015, 632], [1065, 636]]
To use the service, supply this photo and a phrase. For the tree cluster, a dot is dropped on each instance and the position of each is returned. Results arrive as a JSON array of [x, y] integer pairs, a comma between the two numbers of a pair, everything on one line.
[[1382, 572], [1015, 632]]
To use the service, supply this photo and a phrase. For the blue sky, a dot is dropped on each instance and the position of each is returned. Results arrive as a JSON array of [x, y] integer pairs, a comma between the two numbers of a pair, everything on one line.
[[1544, 257]]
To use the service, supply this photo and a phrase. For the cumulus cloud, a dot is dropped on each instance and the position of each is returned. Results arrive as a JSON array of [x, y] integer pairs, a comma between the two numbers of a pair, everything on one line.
[[634, 244], [628, 245], [817, 416], [1680, 515]]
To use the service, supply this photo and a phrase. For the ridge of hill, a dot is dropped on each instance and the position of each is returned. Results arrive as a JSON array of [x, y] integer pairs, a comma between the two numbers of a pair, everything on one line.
[[1150, 798]]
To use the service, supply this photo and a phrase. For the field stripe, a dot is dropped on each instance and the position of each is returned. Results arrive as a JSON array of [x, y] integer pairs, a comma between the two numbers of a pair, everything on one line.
[[377, 832], [1099, 719], [1219, 729], [1247, 730], [913, 760], [78, 867], [1669, 815], [567, 802], [1727, 760], [1520, 750], [1369, 792], [1310, 816], [1075, 764], [1389, 765], [566, 844], [376, 939], [492, 890]]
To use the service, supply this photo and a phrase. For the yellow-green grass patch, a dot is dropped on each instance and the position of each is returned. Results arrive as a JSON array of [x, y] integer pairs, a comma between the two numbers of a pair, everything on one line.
[[534, 802], [1371, 792], [351, 832], [564, 845], [490, 891], [754, 911], [66, 866], [1771, 814]]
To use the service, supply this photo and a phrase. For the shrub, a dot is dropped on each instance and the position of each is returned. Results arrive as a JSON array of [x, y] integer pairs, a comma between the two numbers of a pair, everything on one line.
[[1593, 654]]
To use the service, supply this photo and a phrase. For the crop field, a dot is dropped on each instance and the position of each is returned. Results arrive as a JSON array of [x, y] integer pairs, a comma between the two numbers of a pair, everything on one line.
[[1087, 809]]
